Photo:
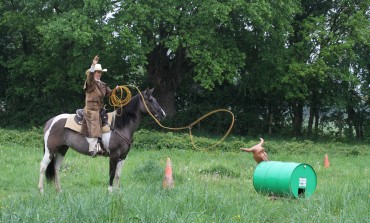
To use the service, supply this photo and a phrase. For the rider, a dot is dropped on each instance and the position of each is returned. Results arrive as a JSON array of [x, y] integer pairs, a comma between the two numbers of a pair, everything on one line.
[[95, 91]]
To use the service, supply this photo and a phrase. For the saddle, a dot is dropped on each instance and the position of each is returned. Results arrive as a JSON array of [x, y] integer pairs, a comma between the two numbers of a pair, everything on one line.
[[80, 116], [103, 117]]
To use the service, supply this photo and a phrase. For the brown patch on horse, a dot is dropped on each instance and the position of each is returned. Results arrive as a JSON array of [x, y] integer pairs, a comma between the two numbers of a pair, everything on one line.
[[56, 141]]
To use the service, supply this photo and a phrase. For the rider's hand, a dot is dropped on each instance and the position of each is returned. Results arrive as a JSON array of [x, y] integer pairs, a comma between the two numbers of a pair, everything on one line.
[[95, 60]]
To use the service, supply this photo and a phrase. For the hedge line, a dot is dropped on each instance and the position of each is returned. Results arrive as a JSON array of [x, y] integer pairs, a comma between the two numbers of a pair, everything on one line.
[[152, 139]]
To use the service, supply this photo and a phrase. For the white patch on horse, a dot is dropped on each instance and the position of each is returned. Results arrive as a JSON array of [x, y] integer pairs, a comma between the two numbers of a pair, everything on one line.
[[46, 160], [105, 138], [164, 113]]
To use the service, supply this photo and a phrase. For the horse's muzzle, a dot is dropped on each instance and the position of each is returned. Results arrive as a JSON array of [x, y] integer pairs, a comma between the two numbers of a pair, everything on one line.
[[161, 115]]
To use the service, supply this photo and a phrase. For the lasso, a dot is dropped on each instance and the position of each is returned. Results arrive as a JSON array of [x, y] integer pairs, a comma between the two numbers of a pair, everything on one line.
[[118, 102]]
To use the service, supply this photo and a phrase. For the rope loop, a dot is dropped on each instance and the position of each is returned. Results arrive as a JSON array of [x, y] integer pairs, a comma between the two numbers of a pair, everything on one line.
[[118, 102]]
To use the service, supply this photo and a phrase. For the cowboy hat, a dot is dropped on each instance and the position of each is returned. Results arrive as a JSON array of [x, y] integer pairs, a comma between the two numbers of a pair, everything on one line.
[[98, 68]]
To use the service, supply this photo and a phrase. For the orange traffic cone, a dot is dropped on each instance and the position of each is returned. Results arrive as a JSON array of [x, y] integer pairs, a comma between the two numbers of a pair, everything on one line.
[[326, 161], [168, 179]]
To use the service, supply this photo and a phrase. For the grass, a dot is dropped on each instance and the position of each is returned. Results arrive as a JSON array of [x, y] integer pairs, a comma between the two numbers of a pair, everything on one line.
[[210, 186]]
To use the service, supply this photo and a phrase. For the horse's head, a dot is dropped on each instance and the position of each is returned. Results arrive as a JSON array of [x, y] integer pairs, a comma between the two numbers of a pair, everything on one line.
[[152, 105]]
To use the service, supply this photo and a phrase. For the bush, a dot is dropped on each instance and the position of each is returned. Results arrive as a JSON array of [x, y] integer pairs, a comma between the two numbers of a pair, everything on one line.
[[156, 140], [30, 138]]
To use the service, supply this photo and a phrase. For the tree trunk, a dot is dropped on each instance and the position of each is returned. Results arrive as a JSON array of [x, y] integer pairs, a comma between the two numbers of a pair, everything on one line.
[[310, 121], [340, 127], [297, 119], [314, 114], [357, 123], [271, 121], [166, 72], [317, 119], [351, 114], [166, 99]]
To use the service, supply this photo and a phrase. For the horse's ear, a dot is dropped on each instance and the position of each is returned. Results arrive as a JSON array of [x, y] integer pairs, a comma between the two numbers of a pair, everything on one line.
[[151, 91], [148, 92], [145, 93]]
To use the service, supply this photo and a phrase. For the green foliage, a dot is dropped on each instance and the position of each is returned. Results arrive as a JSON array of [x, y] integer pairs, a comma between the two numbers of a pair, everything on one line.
[[154, 140], [149, 140], [71, 27], [264, 60], [26, 138]]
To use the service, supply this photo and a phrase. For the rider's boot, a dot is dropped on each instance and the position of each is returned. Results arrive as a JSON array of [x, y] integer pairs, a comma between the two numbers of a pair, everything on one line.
[[93, 146]]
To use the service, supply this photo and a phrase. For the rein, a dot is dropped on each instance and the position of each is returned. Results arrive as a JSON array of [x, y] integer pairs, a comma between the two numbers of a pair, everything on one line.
[[122, 136], [129, 142], [189, 127]]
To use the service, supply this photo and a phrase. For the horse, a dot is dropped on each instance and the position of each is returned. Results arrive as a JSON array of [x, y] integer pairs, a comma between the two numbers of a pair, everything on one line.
[[117, 141]]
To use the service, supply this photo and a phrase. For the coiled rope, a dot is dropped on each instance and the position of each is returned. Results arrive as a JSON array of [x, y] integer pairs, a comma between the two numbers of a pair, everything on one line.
[[118, 102]]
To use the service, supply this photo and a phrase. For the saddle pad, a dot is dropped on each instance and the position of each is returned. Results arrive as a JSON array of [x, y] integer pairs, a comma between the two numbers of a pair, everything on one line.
[[71, 124]]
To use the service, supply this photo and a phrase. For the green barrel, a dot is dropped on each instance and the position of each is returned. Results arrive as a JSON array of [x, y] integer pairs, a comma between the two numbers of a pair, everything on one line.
[[285, 179]]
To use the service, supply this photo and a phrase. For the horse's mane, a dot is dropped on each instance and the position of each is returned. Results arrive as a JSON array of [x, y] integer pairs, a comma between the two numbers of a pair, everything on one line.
[[127, 113]]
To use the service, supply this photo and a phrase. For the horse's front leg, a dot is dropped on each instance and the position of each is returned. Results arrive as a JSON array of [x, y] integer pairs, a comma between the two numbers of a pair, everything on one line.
[[117, 176], [113, 163]]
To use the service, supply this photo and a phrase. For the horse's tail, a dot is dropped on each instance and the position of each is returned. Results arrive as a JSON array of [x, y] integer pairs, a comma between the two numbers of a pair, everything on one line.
[[50, 169]]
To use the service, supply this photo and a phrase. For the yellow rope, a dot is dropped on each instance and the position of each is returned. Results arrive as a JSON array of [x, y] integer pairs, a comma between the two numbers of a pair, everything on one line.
[[117, 101]]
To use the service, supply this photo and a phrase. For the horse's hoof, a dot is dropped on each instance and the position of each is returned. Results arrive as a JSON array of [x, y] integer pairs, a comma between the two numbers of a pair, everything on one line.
[[110, 189], [93, 154]]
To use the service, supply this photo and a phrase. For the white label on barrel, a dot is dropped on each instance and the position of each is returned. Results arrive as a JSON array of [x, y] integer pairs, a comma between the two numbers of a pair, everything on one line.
[[302, 182]]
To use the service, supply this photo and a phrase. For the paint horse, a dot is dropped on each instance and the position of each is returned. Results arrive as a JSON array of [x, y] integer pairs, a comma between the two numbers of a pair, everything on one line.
[[117, 142]]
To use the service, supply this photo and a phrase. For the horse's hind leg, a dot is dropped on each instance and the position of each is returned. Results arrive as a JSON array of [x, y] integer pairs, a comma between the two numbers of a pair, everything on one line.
[[43, 165], [59, 157], [54, 166]]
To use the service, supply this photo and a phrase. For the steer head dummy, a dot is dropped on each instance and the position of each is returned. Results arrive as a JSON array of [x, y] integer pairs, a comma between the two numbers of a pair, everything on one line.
[[258, 151]]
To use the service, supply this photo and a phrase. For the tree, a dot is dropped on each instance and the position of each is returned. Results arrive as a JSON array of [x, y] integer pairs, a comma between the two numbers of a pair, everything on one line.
[[178, 38], [47, 44], [263, 29], [344, 48], [323, 55], [267, 61]]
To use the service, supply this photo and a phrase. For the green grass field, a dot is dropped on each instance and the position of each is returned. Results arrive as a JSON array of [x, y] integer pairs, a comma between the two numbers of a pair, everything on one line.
[[210, 186]]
